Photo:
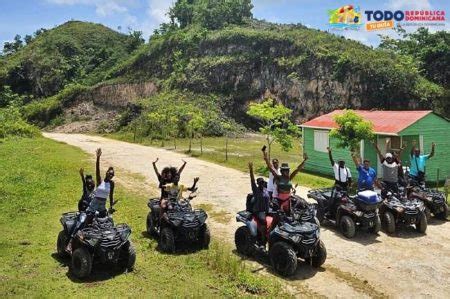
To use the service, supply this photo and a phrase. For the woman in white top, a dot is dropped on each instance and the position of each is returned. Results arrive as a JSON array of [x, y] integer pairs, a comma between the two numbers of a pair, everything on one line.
[[104, 189]]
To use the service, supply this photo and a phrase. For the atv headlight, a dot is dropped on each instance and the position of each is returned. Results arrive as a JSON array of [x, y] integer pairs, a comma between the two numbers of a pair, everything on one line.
[[125, 234], [93, 241], [359, 213], [296, 238], [399, 209]]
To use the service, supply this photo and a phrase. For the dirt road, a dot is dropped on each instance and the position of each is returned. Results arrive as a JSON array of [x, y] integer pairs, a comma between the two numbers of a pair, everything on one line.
[[405, 265]]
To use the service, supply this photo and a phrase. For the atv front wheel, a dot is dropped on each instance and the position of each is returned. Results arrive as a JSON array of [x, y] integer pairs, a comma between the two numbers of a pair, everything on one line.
[[205, 238], [444, 214], [283, 258], [167, 240], [243, 240], [389, 222], [347, 226], [421, 226], [81, 263], [127, 256], [61, 244], [151, 230], [319, 256], [376, 226]]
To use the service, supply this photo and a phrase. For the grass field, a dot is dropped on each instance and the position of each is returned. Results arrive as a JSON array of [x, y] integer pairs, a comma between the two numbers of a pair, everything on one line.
[[241, 151], [39, 180]]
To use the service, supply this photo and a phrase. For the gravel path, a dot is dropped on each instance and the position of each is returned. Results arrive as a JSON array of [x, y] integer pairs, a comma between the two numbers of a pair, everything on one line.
[[405, 265]]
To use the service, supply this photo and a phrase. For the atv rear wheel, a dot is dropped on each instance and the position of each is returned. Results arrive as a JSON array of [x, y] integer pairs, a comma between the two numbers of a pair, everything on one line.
[[389, 222], [347, 226], [444, 214], [421, 226], [167, 240], [81, 263], [319, 256], [376, 226], [127, 256], [283, 258], [243, 240], [205, 237], [61, 244], [151, 229]]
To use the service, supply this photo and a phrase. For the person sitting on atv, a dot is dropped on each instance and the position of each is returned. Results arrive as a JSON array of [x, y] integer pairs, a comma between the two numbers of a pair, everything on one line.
[[418, 162], [103, 190], [175, 191], [367, 176], [167, 176], [259, 204], [283, 180], [88, 191], [390, 166]]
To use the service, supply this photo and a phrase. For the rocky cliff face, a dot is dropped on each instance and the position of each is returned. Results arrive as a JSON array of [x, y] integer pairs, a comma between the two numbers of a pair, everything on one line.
[[302, 69]]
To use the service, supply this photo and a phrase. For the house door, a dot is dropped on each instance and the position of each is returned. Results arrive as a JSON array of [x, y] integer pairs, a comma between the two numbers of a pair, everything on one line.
[[381, 142]]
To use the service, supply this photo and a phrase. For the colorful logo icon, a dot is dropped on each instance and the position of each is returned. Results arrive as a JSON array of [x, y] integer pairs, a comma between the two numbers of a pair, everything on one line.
[[345, 17]]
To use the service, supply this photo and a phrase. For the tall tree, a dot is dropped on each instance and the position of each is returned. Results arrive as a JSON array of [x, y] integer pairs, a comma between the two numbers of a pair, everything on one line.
[[275, 123]]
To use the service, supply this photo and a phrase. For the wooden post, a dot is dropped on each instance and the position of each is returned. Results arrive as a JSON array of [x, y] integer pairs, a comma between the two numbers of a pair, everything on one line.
[[226, 148]]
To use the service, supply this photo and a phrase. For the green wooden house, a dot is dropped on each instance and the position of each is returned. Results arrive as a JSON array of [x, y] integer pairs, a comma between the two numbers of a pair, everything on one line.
[[424, 127]]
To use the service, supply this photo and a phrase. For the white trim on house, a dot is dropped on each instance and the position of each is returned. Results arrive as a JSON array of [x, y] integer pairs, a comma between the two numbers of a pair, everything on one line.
[[421, 143]]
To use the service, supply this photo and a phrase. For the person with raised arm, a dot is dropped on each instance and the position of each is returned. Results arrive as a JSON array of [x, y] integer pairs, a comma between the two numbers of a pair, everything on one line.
[[284, 180]]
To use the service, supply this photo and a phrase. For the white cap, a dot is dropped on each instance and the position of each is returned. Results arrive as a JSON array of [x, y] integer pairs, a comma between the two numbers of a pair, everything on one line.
[[388, 155]]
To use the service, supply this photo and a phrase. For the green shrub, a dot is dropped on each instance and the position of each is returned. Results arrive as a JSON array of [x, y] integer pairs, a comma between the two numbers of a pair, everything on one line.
[[12, 124]]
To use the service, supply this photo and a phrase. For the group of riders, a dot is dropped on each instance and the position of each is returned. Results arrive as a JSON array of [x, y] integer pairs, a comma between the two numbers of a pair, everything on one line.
[[278, 189], [95, 193]]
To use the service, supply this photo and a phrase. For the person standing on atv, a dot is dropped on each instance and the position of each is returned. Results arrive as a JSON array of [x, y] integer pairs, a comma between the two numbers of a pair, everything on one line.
[[271, 185], [283, 180], [342, 174], [390, 166], [167, 175], [88, 191], [367, 176], [260, 204], [103, 190], [418, 162]]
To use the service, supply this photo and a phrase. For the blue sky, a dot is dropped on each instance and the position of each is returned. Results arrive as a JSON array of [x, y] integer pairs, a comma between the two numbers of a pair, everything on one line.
[[26, 16]]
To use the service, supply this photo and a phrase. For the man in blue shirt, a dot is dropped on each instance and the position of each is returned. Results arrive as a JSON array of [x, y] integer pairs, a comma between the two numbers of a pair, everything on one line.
[[367, 176], [418, 162]]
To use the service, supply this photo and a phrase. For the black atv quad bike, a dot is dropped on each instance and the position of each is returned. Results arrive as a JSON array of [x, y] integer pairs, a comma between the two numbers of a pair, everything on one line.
[[183, 224], [291, 240], [397, 210], [351, 211], [288, 240], [434, 201], [101, 242]]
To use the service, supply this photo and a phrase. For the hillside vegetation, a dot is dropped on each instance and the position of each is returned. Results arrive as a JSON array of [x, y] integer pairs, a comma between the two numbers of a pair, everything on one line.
[[217, 51], [75, 51]]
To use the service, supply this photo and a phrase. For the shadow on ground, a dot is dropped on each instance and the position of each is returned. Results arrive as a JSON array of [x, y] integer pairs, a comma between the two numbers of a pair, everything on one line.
[[100, 272]]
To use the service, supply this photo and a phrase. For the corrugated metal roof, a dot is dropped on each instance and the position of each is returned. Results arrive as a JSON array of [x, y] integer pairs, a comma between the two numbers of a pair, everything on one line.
[[387, 122]]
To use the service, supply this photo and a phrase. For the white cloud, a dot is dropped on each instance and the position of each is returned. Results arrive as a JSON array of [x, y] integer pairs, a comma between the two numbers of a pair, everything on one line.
[[408, 4], [157, 10], [103, 8]]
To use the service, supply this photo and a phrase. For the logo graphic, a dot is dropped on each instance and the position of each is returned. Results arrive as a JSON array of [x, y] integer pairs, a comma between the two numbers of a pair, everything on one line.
[[345, 17], [378, 19]]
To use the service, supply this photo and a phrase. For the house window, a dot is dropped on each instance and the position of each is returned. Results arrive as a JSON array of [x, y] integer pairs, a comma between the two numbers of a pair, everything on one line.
[[321, 141]]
